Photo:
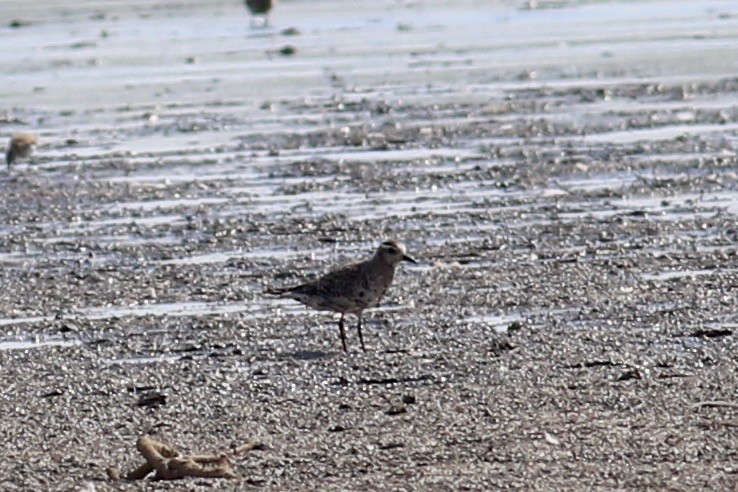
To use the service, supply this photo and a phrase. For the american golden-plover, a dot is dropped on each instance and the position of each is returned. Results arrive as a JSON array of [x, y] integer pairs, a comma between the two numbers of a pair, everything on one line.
[[260, 7], [353, 288], [20, 147]]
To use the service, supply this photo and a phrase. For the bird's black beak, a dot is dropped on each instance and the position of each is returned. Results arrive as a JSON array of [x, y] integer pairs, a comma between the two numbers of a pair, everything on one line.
[[407, 258]]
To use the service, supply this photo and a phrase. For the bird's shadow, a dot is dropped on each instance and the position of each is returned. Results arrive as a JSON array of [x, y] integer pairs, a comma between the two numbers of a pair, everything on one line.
[[308, 354], [391, 351]]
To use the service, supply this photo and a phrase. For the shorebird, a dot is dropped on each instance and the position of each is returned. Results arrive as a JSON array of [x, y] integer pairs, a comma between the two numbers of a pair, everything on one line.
[[20, 147], [260, 7], [352, 288]]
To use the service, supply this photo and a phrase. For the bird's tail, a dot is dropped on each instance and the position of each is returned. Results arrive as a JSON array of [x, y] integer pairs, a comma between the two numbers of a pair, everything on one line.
[[275, 292]]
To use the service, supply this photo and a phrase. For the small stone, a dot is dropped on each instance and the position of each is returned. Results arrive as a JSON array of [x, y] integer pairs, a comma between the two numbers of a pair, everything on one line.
[[153, 400], [291, 31], [396, 410]]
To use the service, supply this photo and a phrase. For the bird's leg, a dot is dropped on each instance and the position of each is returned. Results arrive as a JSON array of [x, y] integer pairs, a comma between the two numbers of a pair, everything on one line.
[[361, 338], [343, 333]]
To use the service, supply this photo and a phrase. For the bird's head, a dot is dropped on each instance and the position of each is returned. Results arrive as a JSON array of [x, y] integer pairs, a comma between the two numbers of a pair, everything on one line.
[[393, 252]]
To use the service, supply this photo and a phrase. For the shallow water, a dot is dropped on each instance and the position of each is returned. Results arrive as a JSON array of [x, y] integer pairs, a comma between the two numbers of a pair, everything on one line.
[[37, 343]]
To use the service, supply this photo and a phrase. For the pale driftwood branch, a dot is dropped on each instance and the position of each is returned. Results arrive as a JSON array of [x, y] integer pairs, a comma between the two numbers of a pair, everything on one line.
[[169, 465]]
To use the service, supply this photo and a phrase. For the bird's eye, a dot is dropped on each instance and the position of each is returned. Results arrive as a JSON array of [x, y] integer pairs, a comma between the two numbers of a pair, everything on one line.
[[390, 248]]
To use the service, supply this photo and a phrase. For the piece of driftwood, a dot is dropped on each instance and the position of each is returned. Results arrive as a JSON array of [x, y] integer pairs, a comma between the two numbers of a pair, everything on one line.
[[167, 464], [246, 447]]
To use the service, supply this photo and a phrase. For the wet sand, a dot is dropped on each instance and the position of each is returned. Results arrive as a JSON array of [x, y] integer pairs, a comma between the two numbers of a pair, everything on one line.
[[566, 175]]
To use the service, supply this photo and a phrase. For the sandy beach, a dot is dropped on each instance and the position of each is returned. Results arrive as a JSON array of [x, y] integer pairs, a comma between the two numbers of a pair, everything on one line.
[[564, 172]]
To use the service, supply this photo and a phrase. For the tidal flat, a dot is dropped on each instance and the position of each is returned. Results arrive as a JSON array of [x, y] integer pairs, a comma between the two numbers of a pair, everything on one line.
[[564, 172]]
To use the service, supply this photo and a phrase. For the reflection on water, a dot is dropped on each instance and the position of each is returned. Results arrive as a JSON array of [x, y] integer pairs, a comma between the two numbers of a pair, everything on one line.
[[38, 342]]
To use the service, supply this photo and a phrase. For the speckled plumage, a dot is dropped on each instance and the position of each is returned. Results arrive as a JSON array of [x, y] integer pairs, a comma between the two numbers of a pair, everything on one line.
[[353, 288]]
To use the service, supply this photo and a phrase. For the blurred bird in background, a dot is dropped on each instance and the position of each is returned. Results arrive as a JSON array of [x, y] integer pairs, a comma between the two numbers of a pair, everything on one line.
[[20, 147], [260, 8]]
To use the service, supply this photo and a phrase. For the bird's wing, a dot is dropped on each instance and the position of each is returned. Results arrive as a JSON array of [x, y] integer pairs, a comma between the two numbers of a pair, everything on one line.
[[333, 284], [347, 288]]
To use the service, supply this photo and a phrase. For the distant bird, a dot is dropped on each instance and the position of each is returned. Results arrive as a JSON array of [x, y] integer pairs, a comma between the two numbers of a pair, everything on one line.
[[260, 7], [20, 147], [353, 288]]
